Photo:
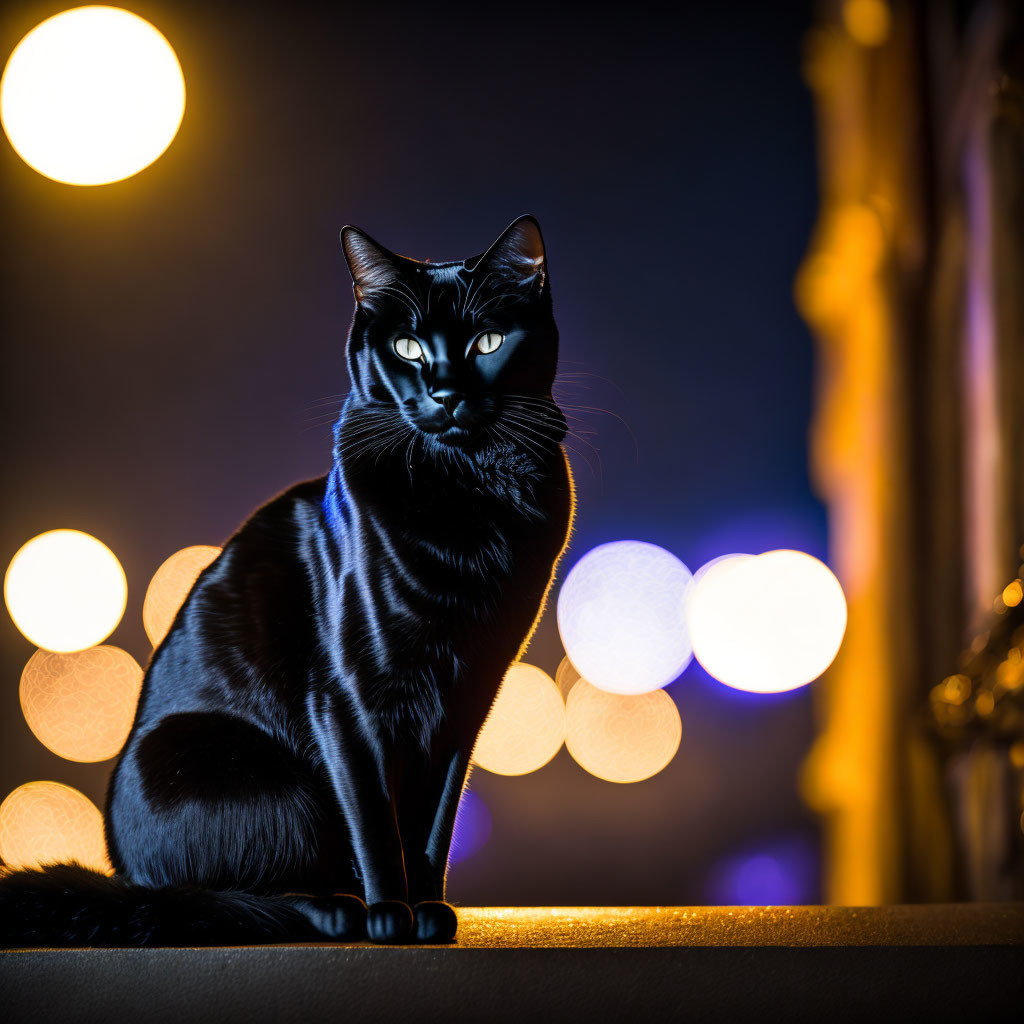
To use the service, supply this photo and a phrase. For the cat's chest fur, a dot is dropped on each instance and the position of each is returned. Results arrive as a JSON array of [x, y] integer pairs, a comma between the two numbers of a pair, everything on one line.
[[434, 583]]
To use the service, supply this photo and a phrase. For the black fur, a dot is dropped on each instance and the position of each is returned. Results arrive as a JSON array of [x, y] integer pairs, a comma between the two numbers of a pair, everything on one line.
[[69, 905], [304, 731]]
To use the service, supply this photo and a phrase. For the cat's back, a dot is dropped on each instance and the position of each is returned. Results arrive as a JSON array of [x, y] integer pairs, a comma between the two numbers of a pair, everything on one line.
[[249, 613], [264, 566]]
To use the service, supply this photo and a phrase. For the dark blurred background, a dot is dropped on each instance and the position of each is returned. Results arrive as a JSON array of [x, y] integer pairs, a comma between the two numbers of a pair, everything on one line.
[[174, 348]]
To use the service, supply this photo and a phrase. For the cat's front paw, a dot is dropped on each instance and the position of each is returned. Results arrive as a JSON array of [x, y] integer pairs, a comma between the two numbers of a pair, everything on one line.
[[338, 918], [389, 922], [435, 921]]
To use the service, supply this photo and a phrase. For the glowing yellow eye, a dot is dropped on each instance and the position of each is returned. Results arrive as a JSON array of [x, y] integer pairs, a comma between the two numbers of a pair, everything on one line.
[[408, 348], [489, 342]]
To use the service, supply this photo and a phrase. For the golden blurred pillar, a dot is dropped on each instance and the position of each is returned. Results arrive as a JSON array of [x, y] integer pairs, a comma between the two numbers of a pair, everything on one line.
[[912, 286], [859, 462]]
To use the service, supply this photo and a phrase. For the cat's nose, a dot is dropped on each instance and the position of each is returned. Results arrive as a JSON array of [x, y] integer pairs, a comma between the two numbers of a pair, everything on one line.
[[448, 398]]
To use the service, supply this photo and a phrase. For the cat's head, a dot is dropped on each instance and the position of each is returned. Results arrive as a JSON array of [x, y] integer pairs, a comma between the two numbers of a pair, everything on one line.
[[462, 354]]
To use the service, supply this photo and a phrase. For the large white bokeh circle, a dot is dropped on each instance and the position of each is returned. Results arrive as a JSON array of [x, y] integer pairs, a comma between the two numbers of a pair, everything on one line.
[[620, 615], [767, 623], [92, 95], [65, 590], [699, 575]]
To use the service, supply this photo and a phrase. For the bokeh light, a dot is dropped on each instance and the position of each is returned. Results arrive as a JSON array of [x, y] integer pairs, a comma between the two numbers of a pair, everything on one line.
[[472, 827], [704, 570], [783, 872], [768, 623], [566, 677], [526, 726], [620, 615], [620, 737], [81, 705], [65, 590], [867, 21], [50, 823], [92, 95], [170, 586]]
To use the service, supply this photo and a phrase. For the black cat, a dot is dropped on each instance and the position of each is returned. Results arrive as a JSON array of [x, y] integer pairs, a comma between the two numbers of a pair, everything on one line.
[[305, 730]]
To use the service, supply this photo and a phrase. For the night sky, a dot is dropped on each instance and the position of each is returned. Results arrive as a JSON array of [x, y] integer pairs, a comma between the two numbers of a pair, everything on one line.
[[173, 348]]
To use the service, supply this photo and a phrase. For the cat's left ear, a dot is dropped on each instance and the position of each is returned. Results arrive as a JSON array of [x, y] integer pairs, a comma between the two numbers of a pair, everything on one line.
[[373, 268], [518, 254]]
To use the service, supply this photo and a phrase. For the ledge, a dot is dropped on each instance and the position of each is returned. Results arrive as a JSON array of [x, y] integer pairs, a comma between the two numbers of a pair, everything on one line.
[[959, 924], [958, 962]]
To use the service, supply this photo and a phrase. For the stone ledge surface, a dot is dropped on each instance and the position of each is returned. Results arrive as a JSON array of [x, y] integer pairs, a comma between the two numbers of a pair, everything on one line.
[[955, 924], [636, 964]]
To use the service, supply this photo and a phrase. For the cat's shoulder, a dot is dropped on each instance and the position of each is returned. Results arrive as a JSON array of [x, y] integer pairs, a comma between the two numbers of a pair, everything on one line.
[[266, 554], [292, 512], [301, 499]]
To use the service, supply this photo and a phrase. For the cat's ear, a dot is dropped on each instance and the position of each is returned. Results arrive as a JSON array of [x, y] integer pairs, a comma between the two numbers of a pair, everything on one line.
[[518, 254], [373, 268]]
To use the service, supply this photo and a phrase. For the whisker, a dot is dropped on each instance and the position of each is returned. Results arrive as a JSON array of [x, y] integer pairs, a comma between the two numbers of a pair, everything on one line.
[[325, 399], [569, 434], [526, 442], [531, 426]]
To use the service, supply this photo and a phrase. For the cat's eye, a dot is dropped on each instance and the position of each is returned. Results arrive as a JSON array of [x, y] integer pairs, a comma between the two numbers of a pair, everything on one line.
[[489, 341], [408, 348]]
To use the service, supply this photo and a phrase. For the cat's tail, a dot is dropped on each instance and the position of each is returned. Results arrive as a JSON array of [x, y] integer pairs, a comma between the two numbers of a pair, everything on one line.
[[70, 905]]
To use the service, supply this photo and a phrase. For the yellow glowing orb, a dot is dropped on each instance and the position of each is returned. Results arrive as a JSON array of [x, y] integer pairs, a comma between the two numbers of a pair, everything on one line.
[[81, 705], [92, 95], [49, 823], [170, 586], [65, 590], [767, 623], [621, 737], [526, 726]]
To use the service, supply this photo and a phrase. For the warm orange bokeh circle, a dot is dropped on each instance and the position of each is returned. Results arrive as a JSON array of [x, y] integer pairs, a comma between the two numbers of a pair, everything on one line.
[[621, 737], [170, 586], [81, 705], [50, 823], [526, 726]]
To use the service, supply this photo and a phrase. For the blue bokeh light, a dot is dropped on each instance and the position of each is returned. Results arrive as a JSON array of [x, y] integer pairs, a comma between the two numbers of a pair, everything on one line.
[[801, 528], [472, 827], [780, 873]]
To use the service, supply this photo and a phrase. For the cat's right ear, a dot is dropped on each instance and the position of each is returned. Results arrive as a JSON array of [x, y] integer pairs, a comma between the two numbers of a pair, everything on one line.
[[373, 268]]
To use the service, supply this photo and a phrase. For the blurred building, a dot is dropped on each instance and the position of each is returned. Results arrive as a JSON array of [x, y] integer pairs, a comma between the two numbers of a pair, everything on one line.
[[914, 287]]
